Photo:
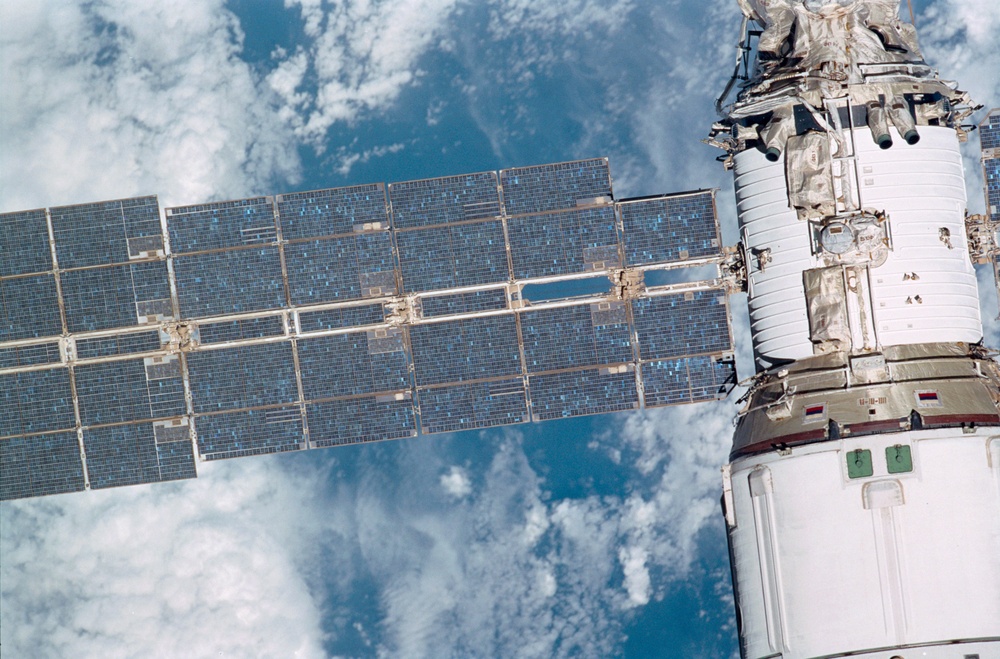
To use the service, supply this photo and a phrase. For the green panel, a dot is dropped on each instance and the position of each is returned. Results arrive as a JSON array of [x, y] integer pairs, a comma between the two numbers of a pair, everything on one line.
[[859, 463], [898, 459]]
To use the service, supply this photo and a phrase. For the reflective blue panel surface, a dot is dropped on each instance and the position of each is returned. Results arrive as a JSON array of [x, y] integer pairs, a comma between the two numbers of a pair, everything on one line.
[[460, 350], [106, 232], [991, 168], [250, 432], [236, 281], [35, 401], [473, 405], [235, 330], [366, 419], [667, 229], [221, 225], [124, 344], [444, 200], [446, 305], [353, 364], [246, 376], [24, 243], [588, 391], [686, 380], [682, 324], [44, 353], [104, 298], [989, 134], [574, 241], [128, 455], [368, 314], [39, 465], [576, 336], [130, 390], [452, 256], [558, 186], [346, 268], [29, 308], [332, 212]]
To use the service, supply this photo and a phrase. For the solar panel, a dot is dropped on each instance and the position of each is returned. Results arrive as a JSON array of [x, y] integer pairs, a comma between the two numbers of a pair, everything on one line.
[[35, 402], [116, 296], [221, 225], [250, 432], [583, 240], [241, 377], [40, 465], [107, 232], [230, 282], [670, 228], [989, 131], [576, 336], [559, 186], [33, 355], [444, 200], [453, 256], [39, 318], [130, 454], [130, 390], [991, 169], [24, 243], [346, 268], [331, 212], [403, 317], [494, 299], [365, 419]]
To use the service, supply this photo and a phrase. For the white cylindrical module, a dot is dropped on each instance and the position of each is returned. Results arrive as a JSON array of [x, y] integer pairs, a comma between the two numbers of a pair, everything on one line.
[[885, 545], [925, 290]]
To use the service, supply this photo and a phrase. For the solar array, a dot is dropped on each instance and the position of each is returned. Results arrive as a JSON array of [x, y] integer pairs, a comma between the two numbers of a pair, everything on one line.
[[133, 345], [989, 140]]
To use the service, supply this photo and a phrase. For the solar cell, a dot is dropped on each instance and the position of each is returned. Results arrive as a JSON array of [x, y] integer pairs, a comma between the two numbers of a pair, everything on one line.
[[35, 401], [107, 232], [24, 243], [129, 455], [684, 324], [125, 344], [473, 405], [236, 281], [670, 228], [355, 316], [494, 299], [366, 419], [686, 380], [576, 336], [452, 256], [40, 465], [130, 390], [244, 376], [331, 212], [35, 355], [559, 186], [353, 364], [989, 132], [39, 318], [116, 296], [236, 330], [991, 169], [444, 200], [250, 432], [467, 349], [347, 268], [221, 225], [586, 391], [582, 240]]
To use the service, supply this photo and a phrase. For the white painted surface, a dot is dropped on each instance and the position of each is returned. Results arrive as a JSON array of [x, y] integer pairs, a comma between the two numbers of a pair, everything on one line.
[[826, 564]]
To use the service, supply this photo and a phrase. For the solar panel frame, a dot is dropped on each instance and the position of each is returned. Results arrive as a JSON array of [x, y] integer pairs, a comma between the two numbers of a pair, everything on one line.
[[342, 317], [555, 186], [362, 419], [34, 402], [129, 390], [221, 225], [577, 336], [682, 324], [122, 344], [40, 319], [40, 465], [479, 347], [241, 433], [130, 455], [332, 211], [116, 296], [106, 232], [453, 256], [353, 364], [30, 355], [670, 228], [342, 268], [583, 392], [686, 380], [240, 377], [229, 282], [493, 299], [989, 131], [567, 242], [444, 200], [471, 405]]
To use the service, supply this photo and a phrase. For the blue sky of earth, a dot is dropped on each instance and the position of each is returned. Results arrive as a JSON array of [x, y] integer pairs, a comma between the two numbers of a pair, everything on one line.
[[589, 537]]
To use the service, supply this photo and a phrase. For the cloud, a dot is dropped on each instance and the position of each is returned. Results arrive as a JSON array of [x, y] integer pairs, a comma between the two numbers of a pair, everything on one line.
[[456, 483], [112, 99], [197, 568]]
